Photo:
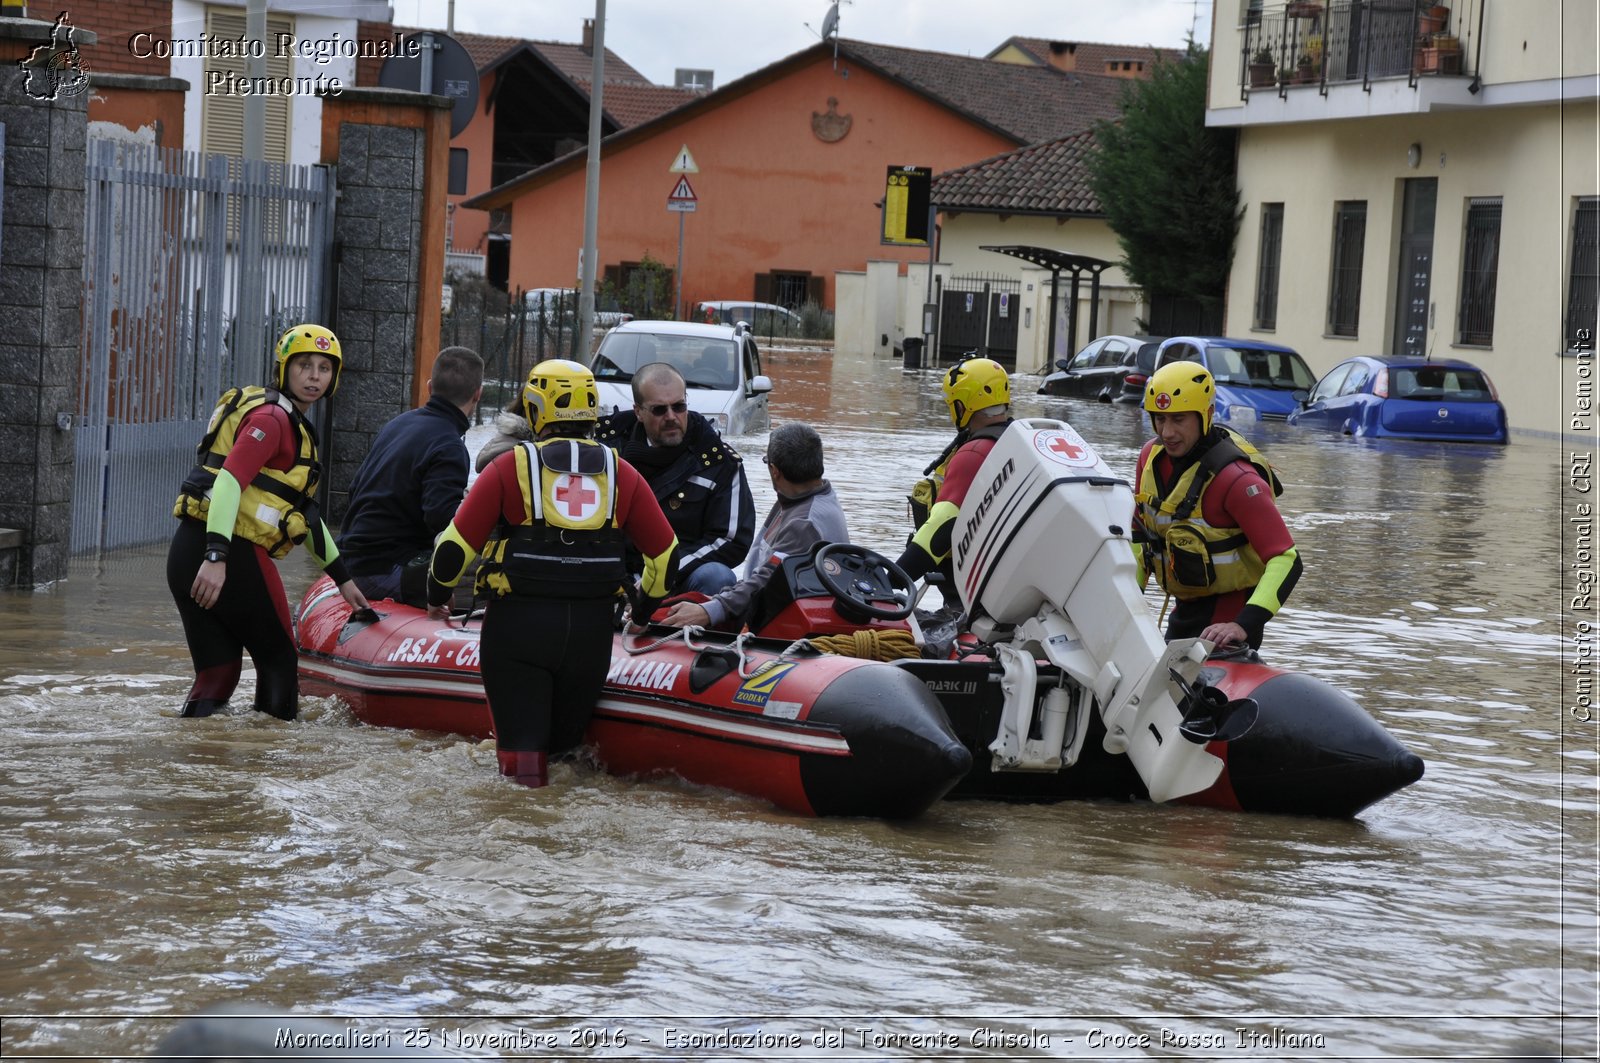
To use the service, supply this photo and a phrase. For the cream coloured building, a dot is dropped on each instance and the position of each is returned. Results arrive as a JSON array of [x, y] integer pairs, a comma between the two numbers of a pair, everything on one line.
[[1427, 182]]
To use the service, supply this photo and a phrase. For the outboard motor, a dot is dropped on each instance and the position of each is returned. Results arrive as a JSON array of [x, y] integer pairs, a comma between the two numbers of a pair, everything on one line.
[[1045, 566]]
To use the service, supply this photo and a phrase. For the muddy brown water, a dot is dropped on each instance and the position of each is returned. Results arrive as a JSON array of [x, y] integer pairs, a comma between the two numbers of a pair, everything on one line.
[[155, 866]]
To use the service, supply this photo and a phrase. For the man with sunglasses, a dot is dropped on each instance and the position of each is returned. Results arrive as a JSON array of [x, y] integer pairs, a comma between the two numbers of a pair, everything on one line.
[[695, 474]]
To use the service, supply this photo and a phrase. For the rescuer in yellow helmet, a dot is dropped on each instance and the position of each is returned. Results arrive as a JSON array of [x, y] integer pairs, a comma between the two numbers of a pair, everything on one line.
[[1204, 513], [250, 498], [561, 508], [977, 391]]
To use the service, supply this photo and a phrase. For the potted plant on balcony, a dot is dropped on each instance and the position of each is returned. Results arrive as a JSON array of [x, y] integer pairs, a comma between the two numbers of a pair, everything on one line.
[[1440, 55], [1263, 70], [1304, 72], [1432, 20], [1313, 51], [1303, 9]]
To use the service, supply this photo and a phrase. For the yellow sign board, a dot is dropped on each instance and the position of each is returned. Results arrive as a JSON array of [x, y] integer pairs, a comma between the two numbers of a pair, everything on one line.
[[907, 194]]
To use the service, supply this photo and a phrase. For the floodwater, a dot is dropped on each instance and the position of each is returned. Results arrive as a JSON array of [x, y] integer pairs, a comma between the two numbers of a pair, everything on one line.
[[155, 866]]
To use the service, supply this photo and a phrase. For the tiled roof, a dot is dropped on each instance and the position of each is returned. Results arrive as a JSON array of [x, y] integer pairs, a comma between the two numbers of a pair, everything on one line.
[[1028, 103], [632, 104], [570, 59], [483, 48], [578, 64], [1090, 57], [1049, 178]]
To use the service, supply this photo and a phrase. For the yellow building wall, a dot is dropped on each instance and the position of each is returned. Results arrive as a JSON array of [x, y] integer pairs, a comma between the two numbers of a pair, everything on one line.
[[1536, 159]]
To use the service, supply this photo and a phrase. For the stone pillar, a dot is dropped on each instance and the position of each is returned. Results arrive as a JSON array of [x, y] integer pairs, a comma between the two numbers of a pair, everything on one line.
[[392, 150], [44, 113]]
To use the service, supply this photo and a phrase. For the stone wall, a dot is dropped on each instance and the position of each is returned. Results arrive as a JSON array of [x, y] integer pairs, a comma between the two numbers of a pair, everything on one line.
[[41, 295], [385, 144]]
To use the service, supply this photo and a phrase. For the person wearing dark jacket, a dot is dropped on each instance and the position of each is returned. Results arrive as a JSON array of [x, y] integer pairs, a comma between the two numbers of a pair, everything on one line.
[[410, 483], [694, 473]]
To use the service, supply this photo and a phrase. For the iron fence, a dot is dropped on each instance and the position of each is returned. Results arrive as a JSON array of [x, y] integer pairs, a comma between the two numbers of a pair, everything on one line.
[[192, 265]]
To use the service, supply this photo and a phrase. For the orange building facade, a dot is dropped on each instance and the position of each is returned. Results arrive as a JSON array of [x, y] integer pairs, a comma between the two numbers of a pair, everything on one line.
[[779, 192]]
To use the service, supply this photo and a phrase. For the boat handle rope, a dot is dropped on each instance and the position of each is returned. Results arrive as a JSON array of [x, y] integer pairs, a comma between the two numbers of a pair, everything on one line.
[[687, 636]]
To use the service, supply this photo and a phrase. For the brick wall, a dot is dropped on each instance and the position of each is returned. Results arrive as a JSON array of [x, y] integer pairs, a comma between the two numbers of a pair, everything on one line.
[[115, 23]]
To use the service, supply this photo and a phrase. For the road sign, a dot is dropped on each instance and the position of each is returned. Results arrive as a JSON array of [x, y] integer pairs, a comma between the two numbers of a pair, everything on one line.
[[682, 197], [684, 163]]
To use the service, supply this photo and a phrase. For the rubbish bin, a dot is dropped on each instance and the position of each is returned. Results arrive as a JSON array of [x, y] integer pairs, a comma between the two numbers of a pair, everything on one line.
[[912, 348]]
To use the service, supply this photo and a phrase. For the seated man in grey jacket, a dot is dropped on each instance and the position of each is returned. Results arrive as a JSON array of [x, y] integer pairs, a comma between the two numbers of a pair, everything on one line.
[[805, 513]]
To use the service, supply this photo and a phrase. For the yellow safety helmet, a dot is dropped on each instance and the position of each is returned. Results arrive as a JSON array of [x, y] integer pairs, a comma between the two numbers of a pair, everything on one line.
[[1180, 386], [306, 339], [559, 390], [973, 385]]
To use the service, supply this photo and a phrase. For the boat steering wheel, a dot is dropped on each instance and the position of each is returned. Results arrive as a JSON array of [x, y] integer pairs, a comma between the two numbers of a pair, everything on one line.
[[858, 577]]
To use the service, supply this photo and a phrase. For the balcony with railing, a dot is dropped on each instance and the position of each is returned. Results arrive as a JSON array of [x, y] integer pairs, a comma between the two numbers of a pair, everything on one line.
[[1353, 42]]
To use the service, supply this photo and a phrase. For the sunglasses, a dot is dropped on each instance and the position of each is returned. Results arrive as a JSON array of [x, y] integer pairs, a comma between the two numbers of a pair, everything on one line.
[[660, 409]]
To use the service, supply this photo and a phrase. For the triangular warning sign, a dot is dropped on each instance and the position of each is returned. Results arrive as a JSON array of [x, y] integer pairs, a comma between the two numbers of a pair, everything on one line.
[[684, 162], [682, 190]]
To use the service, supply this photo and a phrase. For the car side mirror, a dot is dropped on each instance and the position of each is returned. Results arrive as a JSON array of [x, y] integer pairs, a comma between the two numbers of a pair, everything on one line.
[[1061, 363], [1301, 395], [760, 384]]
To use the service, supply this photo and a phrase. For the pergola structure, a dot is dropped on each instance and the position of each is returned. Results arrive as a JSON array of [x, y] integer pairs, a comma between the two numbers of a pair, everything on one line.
[[1056, 261]]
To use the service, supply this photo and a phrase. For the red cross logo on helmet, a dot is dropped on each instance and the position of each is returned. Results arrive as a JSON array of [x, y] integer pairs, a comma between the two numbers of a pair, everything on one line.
[[1163, 400], [322, 343]]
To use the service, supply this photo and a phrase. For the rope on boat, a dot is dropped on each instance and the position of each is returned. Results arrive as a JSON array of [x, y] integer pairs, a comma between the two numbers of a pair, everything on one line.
[[688, 633], [869, 644]]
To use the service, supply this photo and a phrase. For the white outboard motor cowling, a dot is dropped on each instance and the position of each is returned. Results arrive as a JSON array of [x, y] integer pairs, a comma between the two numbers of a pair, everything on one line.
[[1044, 565]]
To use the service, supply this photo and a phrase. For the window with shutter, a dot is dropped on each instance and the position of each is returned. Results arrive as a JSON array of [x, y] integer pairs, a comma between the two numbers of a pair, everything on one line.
[[222, 112]]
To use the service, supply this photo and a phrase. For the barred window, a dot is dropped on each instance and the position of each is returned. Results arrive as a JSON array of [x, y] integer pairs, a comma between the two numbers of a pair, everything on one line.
[[1268, 263], [1480, 263], [1344, 291], [1583, 279]]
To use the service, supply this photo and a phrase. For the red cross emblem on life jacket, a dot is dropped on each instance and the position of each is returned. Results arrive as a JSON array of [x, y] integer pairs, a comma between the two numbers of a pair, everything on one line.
[[323, 344], [1066, 449], [1163, 400], [577, 497]]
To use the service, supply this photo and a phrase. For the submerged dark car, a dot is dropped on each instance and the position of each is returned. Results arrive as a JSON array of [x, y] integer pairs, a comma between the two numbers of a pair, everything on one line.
[[1406, 398], [1102, 370]]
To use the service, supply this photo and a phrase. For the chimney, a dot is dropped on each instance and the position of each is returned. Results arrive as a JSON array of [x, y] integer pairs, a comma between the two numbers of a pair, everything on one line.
[[588, 36], [1064, 55]]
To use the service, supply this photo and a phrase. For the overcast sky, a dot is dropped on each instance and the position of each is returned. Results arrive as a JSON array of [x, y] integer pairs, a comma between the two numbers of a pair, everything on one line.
[[734, 37]]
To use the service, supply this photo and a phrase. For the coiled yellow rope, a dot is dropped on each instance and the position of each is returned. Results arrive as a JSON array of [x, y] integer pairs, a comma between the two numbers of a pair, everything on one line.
[[872, 645]]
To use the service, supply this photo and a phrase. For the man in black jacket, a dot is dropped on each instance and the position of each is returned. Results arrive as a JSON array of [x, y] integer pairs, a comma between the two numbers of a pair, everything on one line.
[[695, 474], [410, 484]]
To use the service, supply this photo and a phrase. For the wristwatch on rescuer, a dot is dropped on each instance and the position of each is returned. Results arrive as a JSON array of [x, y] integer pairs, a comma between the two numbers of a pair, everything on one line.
[[216, 555]]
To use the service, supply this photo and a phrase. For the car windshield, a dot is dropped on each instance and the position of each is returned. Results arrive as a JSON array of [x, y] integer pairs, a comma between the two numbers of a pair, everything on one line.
[[705, 362], [1435, 383], [1252, 368]]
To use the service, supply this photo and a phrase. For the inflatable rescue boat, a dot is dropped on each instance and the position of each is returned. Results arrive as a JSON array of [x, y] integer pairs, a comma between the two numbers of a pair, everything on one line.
[[1061, 688]]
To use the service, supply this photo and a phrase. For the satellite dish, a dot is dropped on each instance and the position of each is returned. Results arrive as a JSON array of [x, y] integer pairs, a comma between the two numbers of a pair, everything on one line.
[[830, 21], [454, 74]]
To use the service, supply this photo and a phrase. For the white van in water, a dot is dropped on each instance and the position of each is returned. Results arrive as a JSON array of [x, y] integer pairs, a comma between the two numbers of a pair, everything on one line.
[[720, 364]]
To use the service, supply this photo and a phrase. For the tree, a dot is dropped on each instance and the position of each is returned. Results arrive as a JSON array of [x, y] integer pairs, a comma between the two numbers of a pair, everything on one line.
[[1167, 185]]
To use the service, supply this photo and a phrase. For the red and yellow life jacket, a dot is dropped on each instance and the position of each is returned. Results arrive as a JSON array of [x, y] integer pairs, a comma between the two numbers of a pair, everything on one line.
[[276, 508]]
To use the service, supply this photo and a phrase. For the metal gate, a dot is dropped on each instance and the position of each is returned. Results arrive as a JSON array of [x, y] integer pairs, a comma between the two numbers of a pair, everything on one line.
[[979, 312], [192, 265]]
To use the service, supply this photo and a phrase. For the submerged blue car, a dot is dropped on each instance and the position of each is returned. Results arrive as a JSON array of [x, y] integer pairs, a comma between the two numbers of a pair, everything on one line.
[[1256, 380], [1406, 398]]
